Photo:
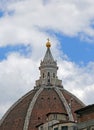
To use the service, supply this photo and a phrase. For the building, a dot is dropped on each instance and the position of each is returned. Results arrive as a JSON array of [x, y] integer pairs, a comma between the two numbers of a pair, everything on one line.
[[85, 117], [48, 103], [57, 121]]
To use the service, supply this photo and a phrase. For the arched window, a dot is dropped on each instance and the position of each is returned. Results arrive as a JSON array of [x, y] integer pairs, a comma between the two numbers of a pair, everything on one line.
[[43, 75], [48, 77], [48, 73]]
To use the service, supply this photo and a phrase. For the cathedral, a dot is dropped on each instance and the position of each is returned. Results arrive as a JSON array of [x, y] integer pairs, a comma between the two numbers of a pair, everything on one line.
[[49, 106]]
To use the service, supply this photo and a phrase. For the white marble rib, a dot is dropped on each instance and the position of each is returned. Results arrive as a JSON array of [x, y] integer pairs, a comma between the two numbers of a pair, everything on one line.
[[30, 108], [61, 96]]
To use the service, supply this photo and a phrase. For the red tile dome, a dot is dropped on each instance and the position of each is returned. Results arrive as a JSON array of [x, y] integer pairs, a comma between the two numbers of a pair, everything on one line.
[[48, 101]]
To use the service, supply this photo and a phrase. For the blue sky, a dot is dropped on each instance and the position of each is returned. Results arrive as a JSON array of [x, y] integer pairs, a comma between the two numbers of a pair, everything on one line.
[[77, 50], [21, 49], [1, 13], [24, 27]]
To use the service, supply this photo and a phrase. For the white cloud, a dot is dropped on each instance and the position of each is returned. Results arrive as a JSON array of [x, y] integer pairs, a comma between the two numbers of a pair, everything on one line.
[[78, 80], [17, 76], [70, 17]]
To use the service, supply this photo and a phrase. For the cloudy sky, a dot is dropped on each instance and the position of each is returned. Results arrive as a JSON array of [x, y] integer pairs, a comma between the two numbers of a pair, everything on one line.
[[25, 26]]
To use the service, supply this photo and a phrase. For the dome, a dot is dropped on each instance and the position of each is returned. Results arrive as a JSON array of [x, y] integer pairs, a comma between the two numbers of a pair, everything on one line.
[[35, 106], [49, 96]]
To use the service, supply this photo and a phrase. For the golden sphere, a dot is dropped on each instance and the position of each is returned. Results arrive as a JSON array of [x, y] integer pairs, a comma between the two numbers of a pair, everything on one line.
[[48, 44]]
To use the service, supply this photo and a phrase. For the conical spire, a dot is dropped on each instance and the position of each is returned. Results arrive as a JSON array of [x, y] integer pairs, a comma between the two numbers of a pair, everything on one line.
[[48, 69], [48, 59], [48, 56]]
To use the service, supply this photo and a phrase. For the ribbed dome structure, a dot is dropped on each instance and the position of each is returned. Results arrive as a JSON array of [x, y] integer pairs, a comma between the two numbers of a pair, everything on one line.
[[48, 96]]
